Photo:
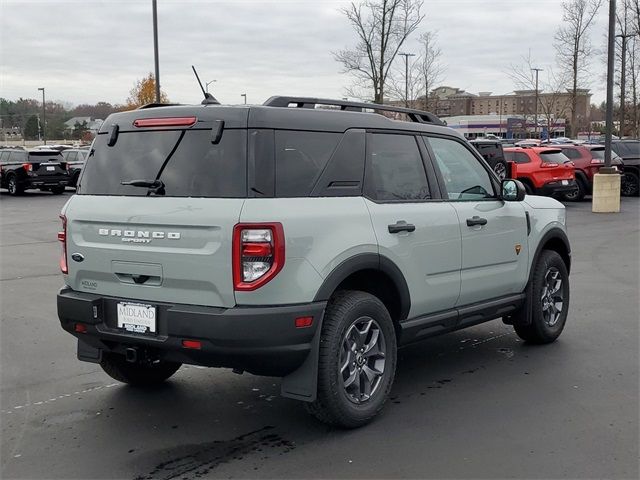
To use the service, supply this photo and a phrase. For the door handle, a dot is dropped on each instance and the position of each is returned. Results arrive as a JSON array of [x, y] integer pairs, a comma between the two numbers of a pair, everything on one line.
[[401, 226], [475, 220]]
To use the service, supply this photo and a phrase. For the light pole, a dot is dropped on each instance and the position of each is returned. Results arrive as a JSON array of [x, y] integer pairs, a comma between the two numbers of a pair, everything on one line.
[[245, 97], [537, 70], [155, 48], [206, 85], [406, 76], [44, 118], [606, 183]]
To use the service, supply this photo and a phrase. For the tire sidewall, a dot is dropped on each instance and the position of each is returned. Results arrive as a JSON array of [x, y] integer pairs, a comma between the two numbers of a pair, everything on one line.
[[631, 178]]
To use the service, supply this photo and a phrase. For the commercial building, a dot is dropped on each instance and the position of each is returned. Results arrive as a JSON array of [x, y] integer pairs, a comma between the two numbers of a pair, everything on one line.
[[505, 126]]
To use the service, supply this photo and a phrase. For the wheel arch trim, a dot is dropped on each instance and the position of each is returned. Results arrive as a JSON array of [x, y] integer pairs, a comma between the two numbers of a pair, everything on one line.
[[367, 261]]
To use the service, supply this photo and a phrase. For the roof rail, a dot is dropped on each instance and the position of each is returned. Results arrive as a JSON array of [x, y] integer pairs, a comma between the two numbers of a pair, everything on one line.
[[154, 105], [418, 116]]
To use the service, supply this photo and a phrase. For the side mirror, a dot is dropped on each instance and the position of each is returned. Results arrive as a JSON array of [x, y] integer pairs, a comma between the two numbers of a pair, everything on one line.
[[512, 190]]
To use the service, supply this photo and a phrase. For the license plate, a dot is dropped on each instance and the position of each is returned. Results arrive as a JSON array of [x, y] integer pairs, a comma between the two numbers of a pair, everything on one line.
[[565, 182], [51, 169], [137, 317]]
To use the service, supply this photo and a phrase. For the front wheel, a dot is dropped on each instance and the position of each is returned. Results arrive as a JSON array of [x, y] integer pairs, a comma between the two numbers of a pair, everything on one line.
[[138, 373], [549, 300], [629, 186], [357, 360]]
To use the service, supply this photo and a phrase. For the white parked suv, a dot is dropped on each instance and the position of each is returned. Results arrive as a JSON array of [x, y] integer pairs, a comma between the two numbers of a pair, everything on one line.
[[300, 242]]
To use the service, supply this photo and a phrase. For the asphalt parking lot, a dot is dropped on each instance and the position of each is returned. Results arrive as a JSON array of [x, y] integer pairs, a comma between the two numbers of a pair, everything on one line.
[[477, 403]]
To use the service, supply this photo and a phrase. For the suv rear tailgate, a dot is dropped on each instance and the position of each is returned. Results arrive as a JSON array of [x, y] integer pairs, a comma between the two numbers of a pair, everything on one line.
[[175, 250]]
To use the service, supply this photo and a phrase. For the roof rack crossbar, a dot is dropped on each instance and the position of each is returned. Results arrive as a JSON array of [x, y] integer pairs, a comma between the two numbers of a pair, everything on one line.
[[418, 116]]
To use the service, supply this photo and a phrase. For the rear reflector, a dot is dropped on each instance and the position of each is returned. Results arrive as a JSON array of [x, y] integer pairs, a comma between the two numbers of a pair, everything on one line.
[[304, 322], [80, 328], [192, 344], [165, 122]]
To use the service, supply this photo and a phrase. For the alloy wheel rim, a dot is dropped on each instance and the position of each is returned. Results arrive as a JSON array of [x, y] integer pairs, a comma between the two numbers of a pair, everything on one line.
[[552, 298], [628, 186], [362, 359], [501, 171], [12, 186]]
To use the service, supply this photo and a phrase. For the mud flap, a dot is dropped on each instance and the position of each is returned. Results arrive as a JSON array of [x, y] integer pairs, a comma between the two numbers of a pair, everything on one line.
[[87, 353], [522, 316], [302, 384]]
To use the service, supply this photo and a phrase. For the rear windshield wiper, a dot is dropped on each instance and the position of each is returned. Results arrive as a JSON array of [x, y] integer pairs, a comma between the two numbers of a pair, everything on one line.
[[155, 186]]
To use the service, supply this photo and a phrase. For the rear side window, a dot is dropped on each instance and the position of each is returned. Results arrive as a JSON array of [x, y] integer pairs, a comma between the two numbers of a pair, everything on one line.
[[571, 153], [627, 149], [520, 157], [300, 159], [554, 157], [394, 170], [186, 162], [18, 157]]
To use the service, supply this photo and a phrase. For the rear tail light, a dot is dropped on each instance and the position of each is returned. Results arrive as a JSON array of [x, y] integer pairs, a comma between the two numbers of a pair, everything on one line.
[[62, 237], [258, 254], [597, 161], [28, 167]]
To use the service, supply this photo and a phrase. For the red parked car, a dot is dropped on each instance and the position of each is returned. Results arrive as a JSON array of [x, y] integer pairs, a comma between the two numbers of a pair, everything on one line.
[[587, 159], [543, 170]]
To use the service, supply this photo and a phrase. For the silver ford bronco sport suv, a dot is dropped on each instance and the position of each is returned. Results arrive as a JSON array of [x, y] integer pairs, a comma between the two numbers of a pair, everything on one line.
[[300, 242]]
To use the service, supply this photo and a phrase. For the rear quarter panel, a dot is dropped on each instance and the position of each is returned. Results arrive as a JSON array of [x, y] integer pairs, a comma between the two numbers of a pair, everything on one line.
[[319, 233]]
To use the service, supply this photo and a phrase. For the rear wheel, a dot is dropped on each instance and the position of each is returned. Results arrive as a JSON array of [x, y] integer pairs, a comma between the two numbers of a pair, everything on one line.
[[357, 360], [629, 186], [58, 190], [549, 300], [14, 187], [138, 373], [578, 194], [501, 170]]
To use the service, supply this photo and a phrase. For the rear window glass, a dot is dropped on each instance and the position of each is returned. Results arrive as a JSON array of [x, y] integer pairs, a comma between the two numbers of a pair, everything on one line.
[[554, 157], [300, 159], [187, 163], [489, 151], [627, 149]]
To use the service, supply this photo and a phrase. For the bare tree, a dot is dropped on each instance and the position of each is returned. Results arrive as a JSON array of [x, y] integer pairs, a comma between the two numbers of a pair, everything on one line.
[[431, 69], [573, 45], [405, 84], [381, 26]]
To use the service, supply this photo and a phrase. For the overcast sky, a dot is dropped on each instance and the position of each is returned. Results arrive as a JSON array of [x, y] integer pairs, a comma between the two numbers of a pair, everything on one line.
[[87, 51]]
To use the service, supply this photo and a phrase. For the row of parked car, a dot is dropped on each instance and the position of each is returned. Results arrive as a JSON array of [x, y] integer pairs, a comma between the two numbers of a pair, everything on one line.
[[48, 168], [564, 170]]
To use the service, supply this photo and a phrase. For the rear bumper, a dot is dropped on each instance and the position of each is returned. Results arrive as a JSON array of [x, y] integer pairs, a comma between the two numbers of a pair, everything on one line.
[[552, 188], [260, 340], [42, 181]]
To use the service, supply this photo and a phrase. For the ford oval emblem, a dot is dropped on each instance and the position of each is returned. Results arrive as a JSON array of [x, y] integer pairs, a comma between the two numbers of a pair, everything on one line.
[[78, 257]]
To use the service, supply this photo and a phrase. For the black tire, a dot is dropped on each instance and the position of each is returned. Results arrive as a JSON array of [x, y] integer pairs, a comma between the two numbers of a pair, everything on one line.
[[629, 186], [500, 169], [137, 374], [14, 187], [74, 180], [334, 404], [578, 194], [527, 186], [58, 190], [543, 328]]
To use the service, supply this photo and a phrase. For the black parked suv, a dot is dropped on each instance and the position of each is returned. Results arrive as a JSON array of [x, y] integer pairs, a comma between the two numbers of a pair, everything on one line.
[[36, 169], [75, 158], [491, 151], [629, 150]]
